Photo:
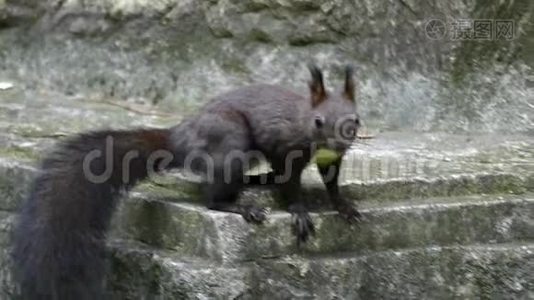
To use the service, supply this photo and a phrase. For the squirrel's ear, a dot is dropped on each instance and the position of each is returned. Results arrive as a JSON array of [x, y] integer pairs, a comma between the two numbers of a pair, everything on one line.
[[318, 93], [349, 89]]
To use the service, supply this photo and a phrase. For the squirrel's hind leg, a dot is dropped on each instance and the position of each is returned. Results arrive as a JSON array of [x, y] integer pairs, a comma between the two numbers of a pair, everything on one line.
[[225, 180], [223, 197]]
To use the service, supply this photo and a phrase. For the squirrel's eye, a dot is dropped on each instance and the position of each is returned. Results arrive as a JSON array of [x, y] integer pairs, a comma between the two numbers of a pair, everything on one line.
[[319, 121]]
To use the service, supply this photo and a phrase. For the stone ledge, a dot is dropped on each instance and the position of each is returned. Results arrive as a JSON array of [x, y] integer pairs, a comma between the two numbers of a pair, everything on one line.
[[496, 271], [138, 271], [194, 230], [16, 175], [472, 272]]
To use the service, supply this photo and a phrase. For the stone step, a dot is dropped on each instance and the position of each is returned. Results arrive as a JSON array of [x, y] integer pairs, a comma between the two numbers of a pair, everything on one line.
[[465, 272], [16, 175], [430, 272], [15, 180], [503, 271], [141, 272], [496, 270], [153, 215], [138, 270], [393, 166], [194, 230]]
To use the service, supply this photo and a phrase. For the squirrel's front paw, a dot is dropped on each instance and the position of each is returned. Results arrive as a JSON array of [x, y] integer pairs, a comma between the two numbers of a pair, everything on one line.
[[302, 226], [255, 214], [349, 213]]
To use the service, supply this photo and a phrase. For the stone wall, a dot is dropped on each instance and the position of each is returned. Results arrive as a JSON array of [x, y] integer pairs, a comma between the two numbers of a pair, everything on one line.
[[176, 53]]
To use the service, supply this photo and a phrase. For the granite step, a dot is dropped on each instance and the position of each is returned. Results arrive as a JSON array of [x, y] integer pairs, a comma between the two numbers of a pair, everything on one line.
[[194, 230], [16, 174], [499, 271], [467, 272], [502, 271], [499, 266]]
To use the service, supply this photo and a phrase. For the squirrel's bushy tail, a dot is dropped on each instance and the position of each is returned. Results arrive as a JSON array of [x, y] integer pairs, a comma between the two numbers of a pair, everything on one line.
[[59, 239]]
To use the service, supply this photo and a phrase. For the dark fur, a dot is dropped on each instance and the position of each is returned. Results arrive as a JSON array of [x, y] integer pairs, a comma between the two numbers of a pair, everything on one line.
[[59, 239]]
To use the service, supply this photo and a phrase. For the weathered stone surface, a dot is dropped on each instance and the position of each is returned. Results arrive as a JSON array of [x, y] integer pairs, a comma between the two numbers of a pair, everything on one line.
[[15, 179], [138, 271], [163, 217], [378, 250], [391, 166], [500, 271], [184, 52], [19, 13], [6, 283], [467, 272], [492, 272], [194, 230]]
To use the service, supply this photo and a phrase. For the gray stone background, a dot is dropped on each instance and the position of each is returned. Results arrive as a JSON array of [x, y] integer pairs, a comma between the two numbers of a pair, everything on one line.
[[177, 54]]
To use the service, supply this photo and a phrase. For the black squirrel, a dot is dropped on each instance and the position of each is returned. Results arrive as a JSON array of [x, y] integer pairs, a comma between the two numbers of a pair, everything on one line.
[[59, 238]]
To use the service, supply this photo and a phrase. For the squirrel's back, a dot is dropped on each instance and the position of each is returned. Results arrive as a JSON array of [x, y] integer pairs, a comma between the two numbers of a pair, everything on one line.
[[276, 116]]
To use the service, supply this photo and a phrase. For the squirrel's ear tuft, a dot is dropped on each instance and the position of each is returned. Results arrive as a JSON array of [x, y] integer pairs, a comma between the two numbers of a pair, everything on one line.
[[349, 89], [318, 93]]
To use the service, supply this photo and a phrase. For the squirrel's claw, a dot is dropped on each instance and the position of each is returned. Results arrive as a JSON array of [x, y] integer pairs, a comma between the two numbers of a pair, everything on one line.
[[349, 213], [302, 227], [255, 214]]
